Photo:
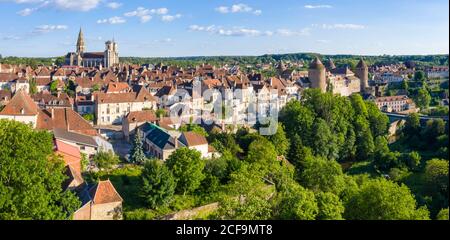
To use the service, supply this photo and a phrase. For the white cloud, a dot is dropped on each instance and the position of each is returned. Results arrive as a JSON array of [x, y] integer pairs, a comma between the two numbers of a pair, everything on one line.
[[223, 9], [170, 18], [11, 37], [49, 28], [350, 26], [238, 8], [114, 5], [79, 5], [71, 5], [26, 11], [144, 14], [323, 41], [232, 32], [289, 33], [160, 11], [112, 20], [317, 6], [146, 18]]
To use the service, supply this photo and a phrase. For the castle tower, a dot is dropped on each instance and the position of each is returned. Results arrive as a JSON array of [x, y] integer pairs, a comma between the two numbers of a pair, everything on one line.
[[330, 65], [111, 54], [80, 42], [362, 72], [316, 74]]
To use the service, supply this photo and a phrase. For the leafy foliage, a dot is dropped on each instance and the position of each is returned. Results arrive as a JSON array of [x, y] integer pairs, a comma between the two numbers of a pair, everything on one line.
[[31, 176], [158, 184], [187, 168]]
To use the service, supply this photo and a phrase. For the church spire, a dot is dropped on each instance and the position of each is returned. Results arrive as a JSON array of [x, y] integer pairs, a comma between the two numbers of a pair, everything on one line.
[[80, 43]]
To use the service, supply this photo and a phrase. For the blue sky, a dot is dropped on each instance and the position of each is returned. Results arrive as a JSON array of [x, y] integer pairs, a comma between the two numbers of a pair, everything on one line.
[[161, 28]]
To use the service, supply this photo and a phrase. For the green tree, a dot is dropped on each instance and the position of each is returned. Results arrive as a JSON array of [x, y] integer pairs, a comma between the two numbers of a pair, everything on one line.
[[105, 159], [436, 175], [54, 86], [381, 199], [187, 168], [322, 140], [296, 203], [193, 128], [137, 155], [423, 98], [96, 87], [419, 76], [330, 206], [84, 162], [33, 86], [299, 154], [413, 160], [89, 117], [280, 141], [31, 176], [442, 215], [324, 175], [158, 184], [263, 157], [364, 139], [378, 121], [412, 125], [384, 159]]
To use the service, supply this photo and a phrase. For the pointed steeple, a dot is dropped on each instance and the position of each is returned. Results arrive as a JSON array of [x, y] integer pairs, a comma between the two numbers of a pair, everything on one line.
[[361, 64], [316, 64], [80, 42], [330, 64]]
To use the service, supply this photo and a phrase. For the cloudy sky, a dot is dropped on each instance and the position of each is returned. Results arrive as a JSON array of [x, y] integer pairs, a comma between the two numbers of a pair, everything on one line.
[[155, 28]]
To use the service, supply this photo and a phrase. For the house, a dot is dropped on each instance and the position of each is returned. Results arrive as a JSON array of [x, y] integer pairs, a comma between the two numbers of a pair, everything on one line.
[[394, 103], [158, 142], [5, 96], [66, 119], [99, 202], [89, 145], [59, 100], [69, 153], [111, 108], [21, 108], [136, 119], [197, 142]]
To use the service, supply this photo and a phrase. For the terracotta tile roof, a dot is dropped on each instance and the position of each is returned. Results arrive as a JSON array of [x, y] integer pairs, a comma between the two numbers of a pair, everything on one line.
[[391, 98], [64, 118], [141, 96], [7, 77], [192, 139], [104, 192], [74, 177], [62, 99], [117, 87], [141, 116], [20, 104]]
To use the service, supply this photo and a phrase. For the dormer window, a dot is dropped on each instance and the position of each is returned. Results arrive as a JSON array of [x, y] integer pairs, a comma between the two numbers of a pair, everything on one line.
[[22, 111]]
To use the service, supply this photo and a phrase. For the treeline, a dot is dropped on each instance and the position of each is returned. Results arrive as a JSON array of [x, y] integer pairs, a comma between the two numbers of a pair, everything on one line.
[[352, 60]]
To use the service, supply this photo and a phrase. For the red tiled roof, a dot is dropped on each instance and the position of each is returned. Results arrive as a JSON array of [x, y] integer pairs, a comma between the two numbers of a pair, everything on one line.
[[104, 192], [141, 116], [64, 118], [193, 139], [20, 104]]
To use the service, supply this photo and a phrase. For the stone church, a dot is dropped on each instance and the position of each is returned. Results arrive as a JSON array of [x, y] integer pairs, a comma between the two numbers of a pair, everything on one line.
[[108, 58]]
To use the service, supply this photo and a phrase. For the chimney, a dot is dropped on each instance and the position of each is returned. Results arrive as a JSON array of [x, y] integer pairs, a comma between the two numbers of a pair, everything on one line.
[[53, 113], [176, 142]]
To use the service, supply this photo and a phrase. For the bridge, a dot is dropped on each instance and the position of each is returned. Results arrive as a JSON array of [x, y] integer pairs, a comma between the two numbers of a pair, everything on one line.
[[423, 119]]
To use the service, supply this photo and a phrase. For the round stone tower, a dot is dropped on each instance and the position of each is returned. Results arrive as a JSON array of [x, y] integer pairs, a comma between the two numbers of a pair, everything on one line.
[[362, 72], [316, 74]]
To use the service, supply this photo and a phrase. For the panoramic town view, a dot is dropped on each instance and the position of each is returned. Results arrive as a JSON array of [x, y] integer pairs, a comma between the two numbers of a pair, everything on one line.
[[224, 110]]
